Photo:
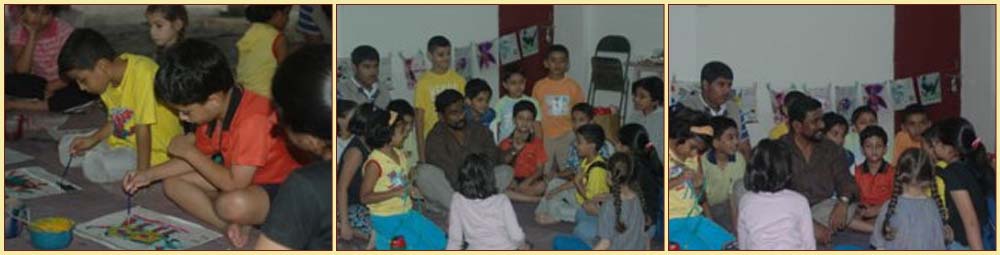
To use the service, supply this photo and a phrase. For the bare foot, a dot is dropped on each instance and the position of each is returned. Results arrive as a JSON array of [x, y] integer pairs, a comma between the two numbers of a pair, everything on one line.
[[238, 235]]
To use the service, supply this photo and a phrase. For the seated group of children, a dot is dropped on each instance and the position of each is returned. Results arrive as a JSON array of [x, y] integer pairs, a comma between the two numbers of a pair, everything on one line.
[[935, 191], [470, 160], [234, 169]]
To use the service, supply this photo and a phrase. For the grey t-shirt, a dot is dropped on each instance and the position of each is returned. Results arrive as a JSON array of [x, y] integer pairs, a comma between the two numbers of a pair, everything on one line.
[[917, 224], [634, 237]]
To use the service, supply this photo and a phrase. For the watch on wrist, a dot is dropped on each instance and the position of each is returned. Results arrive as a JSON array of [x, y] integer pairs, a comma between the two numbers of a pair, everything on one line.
[[845, 199]]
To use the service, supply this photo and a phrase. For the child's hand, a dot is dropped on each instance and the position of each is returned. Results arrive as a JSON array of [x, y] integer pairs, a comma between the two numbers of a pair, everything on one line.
[[182, 146], [81, 144], [134, 180], [345, 232]]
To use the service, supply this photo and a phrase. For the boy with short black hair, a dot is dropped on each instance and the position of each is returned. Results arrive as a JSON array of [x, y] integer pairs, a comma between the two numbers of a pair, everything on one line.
[[861, 118], [439, 78], [477, 103], [874, 177], [915, 122], [363, 87], [722, 166], [227, 172], [138, 130], [557, 93], [513, 81]]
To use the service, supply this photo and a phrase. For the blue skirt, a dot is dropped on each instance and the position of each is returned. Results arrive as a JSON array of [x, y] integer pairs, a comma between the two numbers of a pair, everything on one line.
[[418, 232], [698, 233]]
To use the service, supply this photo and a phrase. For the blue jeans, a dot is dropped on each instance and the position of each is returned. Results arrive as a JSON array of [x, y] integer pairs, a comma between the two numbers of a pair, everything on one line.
[[586, 226]]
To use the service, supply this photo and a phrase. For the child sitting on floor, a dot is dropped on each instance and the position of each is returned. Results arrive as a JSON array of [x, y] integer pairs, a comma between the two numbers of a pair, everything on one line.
[[875, 176], [481, 215], [229, 170], [36, 41], [772, 216], [386, 189], [262, 47], [167, 24], [529, 153], [621, 222], [139, 128], [909, 204]]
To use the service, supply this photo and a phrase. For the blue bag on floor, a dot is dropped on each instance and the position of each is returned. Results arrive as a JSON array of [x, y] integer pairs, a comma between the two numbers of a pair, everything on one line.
[[698, 233]]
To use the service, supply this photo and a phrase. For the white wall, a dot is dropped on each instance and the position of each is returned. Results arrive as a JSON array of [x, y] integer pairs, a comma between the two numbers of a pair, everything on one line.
[[580, 27], [391, 29], [979, 70], [816, 45]]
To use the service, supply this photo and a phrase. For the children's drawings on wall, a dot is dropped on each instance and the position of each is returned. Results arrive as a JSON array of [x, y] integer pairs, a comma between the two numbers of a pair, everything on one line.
[[680, 90], [385, 71], [874, 96], [344, 68], [846, 98], [529, 41], [902, 93], [485, 52], [822, 94], [32, 182], [746, 98], [414, 65], [509, 51], [930, 88], [145, 230], [777, 102], [463, 61]]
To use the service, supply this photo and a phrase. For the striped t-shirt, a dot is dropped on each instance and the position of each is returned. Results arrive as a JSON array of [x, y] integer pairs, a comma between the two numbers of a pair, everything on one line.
[[47, 46]]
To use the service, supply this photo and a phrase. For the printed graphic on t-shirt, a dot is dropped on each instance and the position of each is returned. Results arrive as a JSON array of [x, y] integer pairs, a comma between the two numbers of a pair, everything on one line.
[[119, 117], [437, 90], [558, 105]]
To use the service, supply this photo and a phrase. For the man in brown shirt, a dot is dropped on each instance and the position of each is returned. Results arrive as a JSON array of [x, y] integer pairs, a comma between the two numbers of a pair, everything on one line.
[[819, 172], [448, 143]]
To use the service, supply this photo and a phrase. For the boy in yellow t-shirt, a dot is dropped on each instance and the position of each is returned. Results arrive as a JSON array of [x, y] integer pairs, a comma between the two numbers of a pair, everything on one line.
[[440, 78], [262, 47], [591, 182], [138, 129]]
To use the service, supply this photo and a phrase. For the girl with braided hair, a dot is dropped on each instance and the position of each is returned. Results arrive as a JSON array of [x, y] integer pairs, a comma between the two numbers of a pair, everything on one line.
[[912, 220], [620, 223]]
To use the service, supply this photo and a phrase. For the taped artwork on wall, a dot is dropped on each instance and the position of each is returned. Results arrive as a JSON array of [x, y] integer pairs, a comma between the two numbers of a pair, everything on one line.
[[463, 61], [902, 93], [930, 88], [874, 96], [529, 41], [847, 99], [509, 51], [746, 98], [413, 66]]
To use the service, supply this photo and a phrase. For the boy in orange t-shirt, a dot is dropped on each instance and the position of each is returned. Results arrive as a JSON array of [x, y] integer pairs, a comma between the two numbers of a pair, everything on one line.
[[874, 177], [527, 153], [227, 172], [915, 122], [557, 93]]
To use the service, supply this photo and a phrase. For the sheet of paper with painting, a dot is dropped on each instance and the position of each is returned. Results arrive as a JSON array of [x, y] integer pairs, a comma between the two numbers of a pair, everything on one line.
[[32, 182], [145, 230]]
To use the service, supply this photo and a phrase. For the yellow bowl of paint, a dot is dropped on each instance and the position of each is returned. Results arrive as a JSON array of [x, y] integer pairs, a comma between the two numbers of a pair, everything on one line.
[[51, 233]]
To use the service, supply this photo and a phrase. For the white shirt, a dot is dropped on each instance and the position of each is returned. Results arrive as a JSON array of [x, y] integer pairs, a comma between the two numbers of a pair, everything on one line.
[[370, 94]]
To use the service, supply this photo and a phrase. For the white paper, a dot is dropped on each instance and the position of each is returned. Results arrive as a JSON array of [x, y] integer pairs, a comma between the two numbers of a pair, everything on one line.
[[169, 233], [13, 157], [930, 88], [529, 41], [902, 93], [509, 52], [40, 183]]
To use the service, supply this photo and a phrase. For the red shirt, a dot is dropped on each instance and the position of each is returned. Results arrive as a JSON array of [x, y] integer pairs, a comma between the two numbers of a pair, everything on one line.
[[530, 157], [875, 188], [253, 139]]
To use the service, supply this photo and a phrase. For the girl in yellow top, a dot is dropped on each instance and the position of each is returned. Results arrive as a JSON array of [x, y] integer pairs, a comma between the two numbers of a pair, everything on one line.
[[138, 130], [385, 188], [592, 181], [262, 47]]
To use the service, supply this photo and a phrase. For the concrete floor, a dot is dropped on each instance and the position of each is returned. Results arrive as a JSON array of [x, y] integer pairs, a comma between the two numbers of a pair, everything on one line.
[[94, 200]]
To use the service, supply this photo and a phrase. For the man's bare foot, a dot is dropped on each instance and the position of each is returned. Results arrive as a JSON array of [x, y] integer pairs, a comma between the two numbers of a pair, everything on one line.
[[238, 235], [823, 234]]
